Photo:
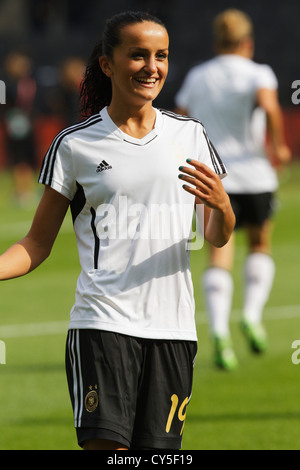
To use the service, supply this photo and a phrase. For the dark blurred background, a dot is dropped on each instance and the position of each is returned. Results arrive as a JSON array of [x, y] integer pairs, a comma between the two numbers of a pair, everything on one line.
[[51, 32]]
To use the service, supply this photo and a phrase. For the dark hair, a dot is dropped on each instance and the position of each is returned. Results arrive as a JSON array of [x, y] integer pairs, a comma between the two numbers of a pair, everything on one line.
[[95, 91]]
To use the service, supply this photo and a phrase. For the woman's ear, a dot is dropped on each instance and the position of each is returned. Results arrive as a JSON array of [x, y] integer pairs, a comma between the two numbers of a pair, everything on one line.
[[105, 65]]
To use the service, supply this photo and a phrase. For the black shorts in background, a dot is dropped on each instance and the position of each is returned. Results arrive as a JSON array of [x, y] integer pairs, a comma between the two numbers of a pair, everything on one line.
[[131, 390], [252, 209]]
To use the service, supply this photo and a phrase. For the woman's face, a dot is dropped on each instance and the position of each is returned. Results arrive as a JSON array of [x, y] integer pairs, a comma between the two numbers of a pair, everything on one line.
[[139, 66]]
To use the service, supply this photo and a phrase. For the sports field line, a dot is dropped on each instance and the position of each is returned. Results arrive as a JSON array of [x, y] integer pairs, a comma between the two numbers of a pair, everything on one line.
[[20, 229], [60, 327], [270, 313], [33, 329]]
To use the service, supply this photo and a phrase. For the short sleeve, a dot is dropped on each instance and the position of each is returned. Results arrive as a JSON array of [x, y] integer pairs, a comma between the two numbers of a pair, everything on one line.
[[266, 78], [184, 95], [57, 169], [209, 155]]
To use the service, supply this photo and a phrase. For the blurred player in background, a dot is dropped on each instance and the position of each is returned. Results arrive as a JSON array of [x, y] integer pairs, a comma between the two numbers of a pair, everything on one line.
[[236, 98], [71, 75], [18, 120]]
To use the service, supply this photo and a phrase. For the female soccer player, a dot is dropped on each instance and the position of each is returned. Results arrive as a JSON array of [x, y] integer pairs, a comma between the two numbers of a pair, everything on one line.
[[131, 343], [233, 96]]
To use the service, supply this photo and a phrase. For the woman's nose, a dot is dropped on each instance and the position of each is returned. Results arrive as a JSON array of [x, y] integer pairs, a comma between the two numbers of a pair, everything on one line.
[[151, 64]]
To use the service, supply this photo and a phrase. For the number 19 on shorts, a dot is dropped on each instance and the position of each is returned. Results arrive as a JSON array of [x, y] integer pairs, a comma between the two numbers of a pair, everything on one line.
[[178, 408]]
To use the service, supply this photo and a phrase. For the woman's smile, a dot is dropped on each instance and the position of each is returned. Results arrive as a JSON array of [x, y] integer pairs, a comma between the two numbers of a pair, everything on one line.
[[146, 81]]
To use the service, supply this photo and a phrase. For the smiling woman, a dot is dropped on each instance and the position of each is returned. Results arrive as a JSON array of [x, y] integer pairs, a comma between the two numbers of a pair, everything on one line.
[[132, 337]]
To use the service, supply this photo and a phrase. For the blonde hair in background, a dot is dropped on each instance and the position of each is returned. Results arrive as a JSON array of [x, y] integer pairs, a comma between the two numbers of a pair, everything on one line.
[[230, 27]]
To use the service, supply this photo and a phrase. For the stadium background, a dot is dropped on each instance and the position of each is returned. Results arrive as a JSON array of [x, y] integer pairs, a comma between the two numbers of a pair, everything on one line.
[[258, 406], [53, 30]]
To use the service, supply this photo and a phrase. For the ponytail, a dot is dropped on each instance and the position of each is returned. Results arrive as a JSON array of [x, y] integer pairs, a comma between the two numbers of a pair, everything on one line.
[[95, 91]]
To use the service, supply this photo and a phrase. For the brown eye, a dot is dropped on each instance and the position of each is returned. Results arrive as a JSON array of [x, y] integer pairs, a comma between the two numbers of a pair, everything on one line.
[[137, 56], [161, 56]]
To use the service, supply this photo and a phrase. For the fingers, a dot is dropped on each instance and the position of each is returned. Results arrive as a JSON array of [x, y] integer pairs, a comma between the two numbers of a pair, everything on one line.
[[200, 195], [201, 166], [198, 166], [199, 175], [203, 183]]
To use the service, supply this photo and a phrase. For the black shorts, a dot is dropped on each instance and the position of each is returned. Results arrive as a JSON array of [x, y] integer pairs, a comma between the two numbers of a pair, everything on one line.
[[22, 151], [252, 209], [130, 390]]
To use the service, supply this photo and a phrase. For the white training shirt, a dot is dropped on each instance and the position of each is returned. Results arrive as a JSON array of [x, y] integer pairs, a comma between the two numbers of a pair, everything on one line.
[[222, 93], [132, 221]]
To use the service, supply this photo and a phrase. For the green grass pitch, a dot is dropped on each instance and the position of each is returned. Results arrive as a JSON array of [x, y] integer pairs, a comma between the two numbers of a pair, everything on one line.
[[256, 407]]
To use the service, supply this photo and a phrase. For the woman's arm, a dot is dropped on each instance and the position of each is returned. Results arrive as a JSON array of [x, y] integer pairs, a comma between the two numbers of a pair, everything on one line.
[[268, 100], [219, 219], [35, 247]]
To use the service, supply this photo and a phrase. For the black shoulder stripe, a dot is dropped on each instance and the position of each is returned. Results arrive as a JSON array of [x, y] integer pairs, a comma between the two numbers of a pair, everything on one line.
[[220, 162], [46, 173], [179, 117], [46, 161], [215, 158]]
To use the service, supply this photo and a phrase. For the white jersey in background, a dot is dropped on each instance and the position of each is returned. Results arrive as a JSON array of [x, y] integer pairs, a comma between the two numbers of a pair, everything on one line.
[[132, 220], [221, 93]]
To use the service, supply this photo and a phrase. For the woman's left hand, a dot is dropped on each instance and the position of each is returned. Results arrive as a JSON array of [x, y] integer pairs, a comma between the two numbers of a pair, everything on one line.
[[206, 185]]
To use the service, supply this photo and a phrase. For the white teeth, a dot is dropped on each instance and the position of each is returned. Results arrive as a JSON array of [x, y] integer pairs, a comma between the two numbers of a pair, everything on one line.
[[146, 80]]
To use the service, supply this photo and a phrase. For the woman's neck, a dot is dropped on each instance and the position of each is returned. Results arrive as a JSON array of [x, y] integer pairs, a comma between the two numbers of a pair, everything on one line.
[[136, 122]]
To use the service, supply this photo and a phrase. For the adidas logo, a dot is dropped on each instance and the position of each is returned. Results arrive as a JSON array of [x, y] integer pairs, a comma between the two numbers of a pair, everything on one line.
[[103, 166]]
